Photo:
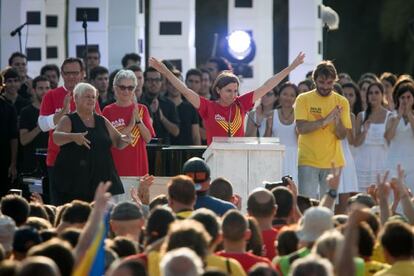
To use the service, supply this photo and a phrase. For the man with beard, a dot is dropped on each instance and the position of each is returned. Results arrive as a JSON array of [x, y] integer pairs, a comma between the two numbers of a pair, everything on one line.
[[322, 119], [31, 136]]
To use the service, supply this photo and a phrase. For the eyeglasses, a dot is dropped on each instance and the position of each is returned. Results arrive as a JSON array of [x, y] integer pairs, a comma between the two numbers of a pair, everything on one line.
[[152, 79], [129, 88]]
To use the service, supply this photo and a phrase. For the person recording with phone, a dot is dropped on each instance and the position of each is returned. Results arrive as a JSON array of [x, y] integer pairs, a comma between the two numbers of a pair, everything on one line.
[[225, 117], [55, 104]]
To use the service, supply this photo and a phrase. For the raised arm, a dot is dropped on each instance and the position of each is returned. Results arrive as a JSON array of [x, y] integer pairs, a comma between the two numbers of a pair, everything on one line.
[[276, 79], [332, 180], [95, 221], [189, 94], [406, 203]]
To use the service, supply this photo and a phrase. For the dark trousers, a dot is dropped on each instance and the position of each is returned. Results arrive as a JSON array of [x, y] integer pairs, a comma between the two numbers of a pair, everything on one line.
[[55, 197]]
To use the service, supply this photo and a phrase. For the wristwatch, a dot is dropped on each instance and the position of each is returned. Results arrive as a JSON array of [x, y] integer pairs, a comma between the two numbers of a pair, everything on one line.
[[332, 193]]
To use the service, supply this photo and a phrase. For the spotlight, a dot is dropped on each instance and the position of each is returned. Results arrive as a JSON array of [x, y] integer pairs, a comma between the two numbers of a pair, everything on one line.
[[240, 47], [239, 44]]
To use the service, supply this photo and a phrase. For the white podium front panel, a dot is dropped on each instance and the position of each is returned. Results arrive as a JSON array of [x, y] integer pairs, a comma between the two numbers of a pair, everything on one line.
[[246, 162]]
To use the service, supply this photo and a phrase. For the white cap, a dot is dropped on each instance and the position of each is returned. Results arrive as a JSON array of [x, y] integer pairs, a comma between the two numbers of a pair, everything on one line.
[[315, 221]]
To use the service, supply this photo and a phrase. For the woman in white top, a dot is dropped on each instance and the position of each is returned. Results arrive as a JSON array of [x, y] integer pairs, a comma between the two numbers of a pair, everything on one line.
[[400, 134], [349, 182], [256, 123], [372, 146], [282, 124]]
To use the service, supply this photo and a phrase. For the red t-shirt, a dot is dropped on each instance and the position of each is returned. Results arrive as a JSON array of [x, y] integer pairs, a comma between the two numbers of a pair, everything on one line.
[[216, 117], [246, 260], [132, 160], [269, 236], [52, 102]]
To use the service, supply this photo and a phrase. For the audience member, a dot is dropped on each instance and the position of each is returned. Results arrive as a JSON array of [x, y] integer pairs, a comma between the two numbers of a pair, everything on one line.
[[99, 77], [52, 73], [129, 117], [31, 136], [322, 119], [199, 171]]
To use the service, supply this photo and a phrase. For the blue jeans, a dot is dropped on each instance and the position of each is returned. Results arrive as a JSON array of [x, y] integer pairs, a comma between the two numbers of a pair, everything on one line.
[[312, 181]]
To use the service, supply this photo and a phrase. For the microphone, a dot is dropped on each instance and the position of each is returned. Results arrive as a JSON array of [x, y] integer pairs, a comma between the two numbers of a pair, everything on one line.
[[18, 29]]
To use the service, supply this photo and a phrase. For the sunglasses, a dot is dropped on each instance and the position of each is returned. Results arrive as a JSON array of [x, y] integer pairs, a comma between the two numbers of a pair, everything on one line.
[[129, 88]]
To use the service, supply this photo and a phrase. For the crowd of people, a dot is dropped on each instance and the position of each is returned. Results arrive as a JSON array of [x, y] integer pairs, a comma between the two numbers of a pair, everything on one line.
[[345, 207]]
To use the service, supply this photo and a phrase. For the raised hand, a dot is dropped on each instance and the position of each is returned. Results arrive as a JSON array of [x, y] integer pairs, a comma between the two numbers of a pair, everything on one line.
[[400, 183], [81, 140], [102, 195], [66, 102], [333, 179], [144, 188], [383, 187], [36, 198], [366, 125], [298, 60], [155, 63]]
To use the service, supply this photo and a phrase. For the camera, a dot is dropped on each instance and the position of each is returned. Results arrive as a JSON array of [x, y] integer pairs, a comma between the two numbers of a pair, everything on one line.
[[283, 183]]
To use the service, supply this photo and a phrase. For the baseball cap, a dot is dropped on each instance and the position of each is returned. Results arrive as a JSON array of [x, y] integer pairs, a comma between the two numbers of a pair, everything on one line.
[[126, 210], [197, 169], [315, 221], [7, 230]]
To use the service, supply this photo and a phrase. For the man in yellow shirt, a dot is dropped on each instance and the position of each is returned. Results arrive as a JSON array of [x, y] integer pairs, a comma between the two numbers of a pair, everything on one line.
[[322, 119], [397, 240]]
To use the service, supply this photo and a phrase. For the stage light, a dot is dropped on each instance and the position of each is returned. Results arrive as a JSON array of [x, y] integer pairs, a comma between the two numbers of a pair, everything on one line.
[[239, 43]]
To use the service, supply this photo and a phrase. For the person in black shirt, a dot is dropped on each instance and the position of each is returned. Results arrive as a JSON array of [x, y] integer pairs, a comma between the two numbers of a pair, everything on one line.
[[11, 90], [189, 126], [8, 143], [99, 77], [31, 136], [18, 61], [162, 110]]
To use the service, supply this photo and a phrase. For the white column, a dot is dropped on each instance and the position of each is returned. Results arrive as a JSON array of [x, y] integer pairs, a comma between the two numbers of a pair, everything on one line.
[[259, 20], [126, 32], [55, 33], [97, 30], [305, 34], [172, 31]]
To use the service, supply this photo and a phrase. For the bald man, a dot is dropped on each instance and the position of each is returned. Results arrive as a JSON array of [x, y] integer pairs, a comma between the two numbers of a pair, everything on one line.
[[261, 205]]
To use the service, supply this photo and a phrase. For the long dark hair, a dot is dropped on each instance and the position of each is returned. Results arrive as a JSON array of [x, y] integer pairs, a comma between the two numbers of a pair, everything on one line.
[[358, 101], [282, 87], [402, 89], [369, 107]]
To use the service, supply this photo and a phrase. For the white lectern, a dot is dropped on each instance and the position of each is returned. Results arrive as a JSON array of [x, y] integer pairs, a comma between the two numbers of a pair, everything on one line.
[[245, 161]]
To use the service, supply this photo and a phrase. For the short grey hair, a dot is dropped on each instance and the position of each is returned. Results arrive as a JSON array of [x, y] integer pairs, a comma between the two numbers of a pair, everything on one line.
[[125, 74], [82, 87], [181, 261], [328, 244], [312, 265]]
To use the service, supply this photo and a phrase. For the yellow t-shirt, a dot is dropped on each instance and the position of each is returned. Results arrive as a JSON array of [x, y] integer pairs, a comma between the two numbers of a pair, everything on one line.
[[321, 147], [401, 268], [227, 265]]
